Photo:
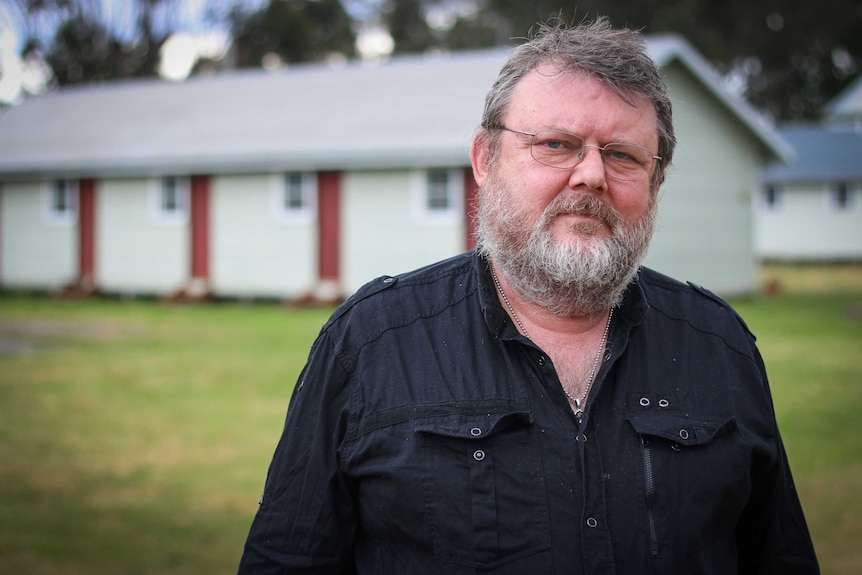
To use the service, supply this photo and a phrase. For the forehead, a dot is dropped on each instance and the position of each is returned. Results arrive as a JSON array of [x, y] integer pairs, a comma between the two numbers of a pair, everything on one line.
[[573, 101]]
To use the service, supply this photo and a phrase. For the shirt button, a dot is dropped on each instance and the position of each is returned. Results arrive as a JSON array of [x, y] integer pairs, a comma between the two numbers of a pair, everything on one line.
[[475, 432], [683, 433], [541, 360], [478, 455], [644, 401], [591, 522], [663, 403]]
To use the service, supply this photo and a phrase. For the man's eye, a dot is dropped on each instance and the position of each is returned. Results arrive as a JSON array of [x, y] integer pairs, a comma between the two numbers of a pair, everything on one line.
[[621, 155]]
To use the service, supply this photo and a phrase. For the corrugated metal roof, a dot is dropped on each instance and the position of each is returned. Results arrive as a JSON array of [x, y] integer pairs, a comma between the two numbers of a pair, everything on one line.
[[824, 154], [408, 111]]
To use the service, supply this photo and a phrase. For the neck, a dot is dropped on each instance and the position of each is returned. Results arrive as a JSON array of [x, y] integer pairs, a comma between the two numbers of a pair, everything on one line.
[[538, 320]]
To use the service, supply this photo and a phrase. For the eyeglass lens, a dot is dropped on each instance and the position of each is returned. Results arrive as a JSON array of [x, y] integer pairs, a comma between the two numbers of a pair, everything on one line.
[[627, 162]]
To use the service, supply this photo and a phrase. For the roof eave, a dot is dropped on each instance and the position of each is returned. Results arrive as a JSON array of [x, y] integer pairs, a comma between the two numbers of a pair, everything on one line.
[[762, 128]]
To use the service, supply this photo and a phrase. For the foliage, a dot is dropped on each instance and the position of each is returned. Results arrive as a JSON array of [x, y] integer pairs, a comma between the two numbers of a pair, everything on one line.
[[408, 28], [787, 57], [84, 41], [791, 56], [293, 31]]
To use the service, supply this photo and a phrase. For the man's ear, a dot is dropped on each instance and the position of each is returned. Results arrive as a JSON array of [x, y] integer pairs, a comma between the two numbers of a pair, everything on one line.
[[480, 157]]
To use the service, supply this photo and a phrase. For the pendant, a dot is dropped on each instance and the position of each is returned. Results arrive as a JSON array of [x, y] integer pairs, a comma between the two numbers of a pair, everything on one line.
[[579, 413]]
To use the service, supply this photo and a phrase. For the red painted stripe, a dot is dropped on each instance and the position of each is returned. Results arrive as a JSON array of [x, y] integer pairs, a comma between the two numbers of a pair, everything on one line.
[[1, 233], [329, 225], [200, 226], [471, 189], [87, 230]]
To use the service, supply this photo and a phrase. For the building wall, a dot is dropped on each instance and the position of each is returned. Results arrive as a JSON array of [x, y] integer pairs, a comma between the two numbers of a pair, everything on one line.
[[704, 232], [805, 225], [137, 251], [37, 251], [257, 251], [385, 231]]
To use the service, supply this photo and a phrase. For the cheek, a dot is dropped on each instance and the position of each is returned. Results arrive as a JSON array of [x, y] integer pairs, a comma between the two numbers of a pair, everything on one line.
[[632, 203], [526, 190]]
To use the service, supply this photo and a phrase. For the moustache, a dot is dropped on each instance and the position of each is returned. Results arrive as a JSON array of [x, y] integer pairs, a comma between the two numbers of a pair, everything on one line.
[[581, 205]]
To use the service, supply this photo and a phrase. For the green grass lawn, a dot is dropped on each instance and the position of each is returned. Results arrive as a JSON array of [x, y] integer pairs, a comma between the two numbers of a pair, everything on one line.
[[134, 436]]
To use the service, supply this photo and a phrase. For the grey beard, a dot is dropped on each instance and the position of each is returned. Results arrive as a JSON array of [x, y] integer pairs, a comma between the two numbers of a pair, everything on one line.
[[578, 277]]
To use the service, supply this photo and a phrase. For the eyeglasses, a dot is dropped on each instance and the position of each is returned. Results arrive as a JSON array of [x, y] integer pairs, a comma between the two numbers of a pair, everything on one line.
[[626, 162]]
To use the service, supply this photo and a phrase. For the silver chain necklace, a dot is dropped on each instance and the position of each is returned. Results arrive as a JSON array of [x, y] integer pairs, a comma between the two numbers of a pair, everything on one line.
[[578, 401]]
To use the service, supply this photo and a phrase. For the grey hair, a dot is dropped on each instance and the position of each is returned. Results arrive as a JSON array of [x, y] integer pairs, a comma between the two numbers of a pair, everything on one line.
[[617, 57]]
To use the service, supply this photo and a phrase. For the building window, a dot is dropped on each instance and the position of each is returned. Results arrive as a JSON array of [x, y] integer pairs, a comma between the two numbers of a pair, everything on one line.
[[841, 197], [171, 200], [293, 195], [62, 202], [770, 197], [295, 192], [439, 195]]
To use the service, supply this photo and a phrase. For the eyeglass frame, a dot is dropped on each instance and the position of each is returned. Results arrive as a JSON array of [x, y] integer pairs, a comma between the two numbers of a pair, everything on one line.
[[582, 155]]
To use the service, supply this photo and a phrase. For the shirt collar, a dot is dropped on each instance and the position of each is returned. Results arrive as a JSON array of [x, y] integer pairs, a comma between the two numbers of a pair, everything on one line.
[[496, 317]]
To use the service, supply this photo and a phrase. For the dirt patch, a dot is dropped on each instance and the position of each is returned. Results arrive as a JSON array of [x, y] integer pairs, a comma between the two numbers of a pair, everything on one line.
[[24, 337]]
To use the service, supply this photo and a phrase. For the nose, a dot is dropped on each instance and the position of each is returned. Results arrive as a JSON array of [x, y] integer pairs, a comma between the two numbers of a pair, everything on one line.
[[589, 174]]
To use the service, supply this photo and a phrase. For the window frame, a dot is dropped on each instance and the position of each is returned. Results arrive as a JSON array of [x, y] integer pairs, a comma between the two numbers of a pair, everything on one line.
[[67, 215], [423, 191], [835, 191], [179, 213], [771, 197], [280, 201]]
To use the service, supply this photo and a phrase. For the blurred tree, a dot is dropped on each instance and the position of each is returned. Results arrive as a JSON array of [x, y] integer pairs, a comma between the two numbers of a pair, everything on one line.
[[408, 27], [471, 32], [291, 31], [787, 57], [88, 40]]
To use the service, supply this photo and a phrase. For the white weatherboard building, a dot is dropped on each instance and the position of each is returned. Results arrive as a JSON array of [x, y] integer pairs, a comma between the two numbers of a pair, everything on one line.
[[312, 180], [810, 210]]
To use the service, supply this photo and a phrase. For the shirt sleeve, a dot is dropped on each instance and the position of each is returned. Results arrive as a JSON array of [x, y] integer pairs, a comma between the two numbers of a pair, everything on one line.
[[306, 519], [772, 536]]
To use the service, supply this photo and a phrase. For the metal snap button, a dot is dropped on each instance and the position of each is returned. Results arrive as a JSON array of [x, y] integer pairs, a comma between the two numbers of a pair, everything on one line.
[[591, 522], [675, 446], [644, 401], [541, 360], [683, 433], [478, 455], [388, 280], [663, 403], [475, 432]]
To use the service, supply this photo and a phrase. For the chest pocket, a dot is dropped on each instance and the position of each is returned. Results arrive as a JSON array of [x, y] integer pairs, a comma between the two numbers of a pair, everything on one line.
[[695, 479], [483, 488]]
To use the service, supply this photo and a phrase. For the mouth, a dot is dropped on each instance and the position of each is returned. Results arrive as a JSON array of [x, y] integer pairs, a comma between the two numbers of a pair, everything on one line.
[[580, 223], [583, 214]]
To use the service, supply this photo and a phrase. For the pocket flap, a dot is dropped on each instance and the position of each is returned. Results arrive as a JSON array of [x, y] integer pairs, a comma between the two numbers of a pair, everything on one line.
[[680, 429], [470, 426]]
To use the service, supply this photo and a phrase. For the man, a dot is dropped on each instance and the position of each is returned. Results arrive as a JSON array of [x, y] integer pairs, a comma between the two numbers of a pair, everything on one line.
[[543, 405]]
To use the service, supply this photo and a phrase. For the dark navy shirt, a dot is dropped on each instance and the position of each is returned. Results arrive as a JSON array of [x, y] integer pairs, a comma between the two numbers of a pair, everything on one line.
[[426, 435]]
